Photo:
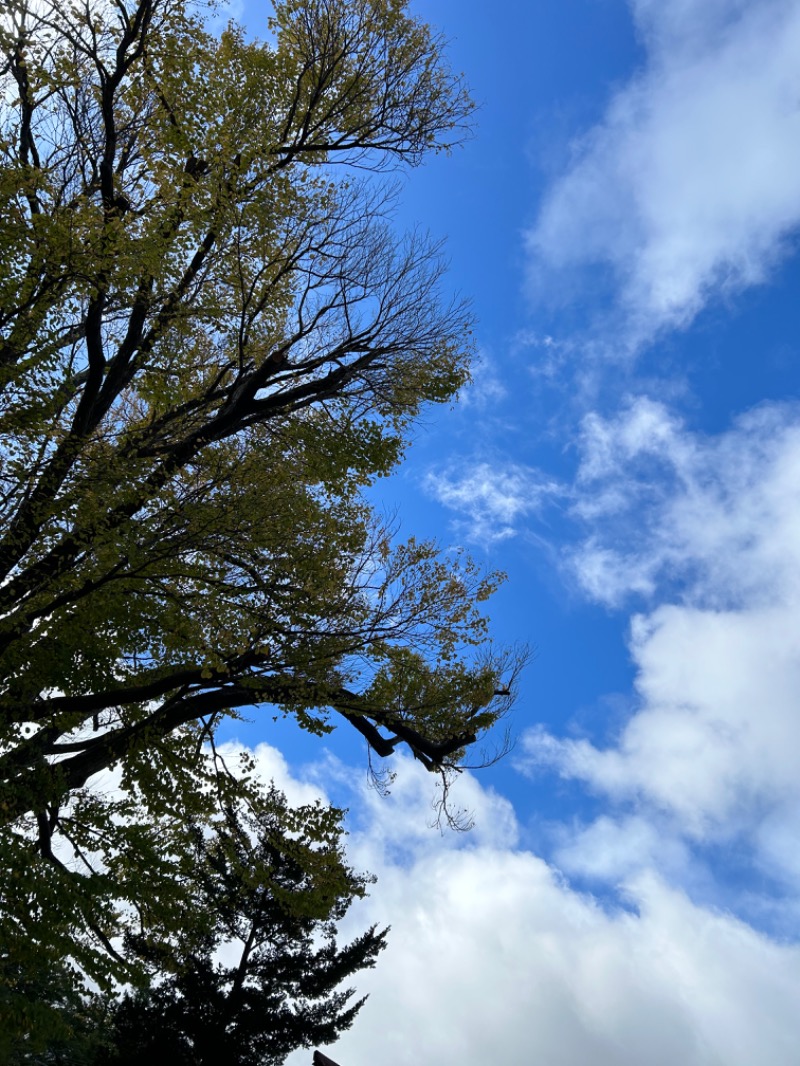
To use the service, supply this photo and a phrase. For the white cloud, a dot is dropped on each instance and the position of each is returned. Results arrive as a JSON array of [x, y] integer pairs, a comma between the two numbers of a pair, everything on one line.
[[493, 958], [719, 514], [271, 766], [710, 528], [714, 741], [485, 388], [491, 500], [615, 850], [690, 186]]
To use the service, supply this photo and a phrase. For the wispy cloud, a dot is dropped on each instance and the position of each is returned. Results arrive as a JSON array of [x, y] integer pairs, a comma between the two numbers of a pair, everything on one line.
[[716, 516], [490, 499], [709, 526], [486, 388], [690, 186]]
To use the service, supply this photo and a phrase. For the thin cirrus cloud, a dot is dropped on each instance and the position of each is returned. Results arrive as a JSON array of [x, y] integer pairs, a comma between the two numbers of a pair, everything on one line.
[[690, 186], [490, 500], [707, 527]]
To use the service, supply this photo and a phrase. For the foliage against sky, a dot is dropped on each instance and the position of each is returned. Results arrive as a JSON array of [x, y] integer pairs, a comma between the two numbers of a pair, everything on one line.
[[214, 340], [626, 219]]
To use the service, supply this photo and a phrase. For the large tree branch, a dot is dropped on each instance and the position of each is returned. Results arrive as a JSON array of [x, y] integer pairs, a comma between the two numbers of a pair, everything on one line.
[[27, 781]]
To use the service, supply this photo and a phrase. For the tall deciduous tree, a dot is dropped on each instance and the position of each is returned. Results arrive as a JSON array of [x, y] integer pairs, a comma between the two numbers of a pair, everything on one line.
[[212, 341]]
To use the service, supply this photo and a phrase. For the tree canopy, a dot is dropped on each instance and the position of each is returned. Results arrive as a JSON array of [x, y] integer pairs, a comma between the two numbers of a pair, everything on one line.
[[211, 341], [252, 972]]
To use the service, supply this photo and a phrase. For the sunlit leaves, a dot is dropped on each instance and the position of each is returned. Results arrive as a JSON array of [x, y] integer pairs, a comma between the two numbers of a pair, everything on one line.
[[212, 339]]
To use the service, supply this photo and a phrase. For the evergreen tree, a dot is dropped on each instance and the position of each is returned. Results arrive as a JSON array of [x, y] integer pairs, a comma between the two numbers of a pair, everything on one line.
[[274, 885]]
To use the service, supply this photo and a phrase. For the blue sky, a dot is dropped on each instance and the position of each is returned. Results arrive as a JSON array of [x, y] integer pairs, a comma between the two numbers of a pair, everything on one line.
[[624, 221]]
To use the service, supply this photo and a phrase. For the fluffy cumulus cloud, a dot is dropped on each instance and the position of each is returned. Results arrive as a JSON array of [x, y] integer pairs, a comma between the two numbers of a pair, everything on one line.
[[710, 527], [495, 955], [494, 958], [269, 764], [690, 186]]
